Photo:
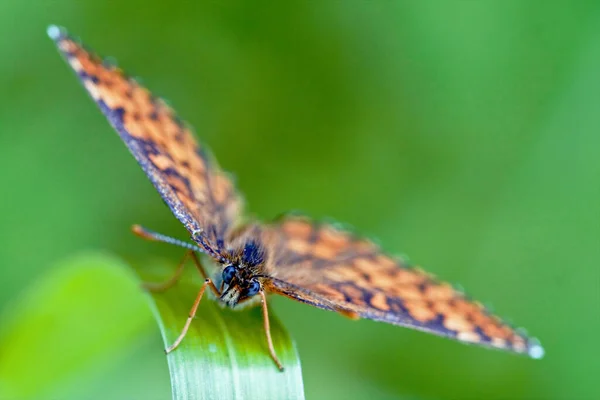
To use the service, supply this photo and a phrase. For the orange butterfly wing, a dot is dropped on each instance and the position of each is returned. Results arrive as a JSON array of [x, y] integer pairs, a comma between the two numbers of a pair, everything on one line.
[[190, 182], [331, 269]]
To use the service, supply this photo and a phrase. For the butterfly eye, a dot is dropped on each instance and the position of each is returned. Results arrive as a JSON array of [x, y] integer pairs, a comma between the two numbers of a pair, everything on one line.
[[228, 274], [253, 288]]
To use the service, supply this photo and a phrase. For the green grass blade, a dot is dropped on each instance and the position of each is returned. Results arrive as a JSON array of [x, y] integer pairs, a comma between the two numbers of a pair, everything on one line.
[[89, 309], [224, 355]]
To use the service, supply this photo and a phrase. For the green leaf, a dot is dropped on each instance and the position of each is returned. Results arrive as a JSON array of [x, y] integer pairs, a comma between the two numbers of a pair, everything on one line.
[[224, 354], [84, 313], [76, 318]]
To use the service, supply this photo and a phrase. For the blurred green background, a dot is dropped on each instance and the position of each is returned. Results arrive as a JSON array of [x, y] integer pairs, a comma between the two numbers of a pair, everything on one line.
[[465, 134]]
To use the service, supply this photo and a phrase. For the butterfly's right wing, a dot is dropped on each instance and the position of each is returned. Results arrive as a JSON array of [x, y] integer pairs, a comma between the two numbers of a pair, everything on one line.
[[332, 269], [190, 182]]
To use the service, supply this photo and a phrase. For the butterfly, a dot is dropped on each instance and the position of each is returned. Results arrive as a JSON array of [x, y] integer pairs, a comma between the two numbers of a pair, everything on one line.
[[311, 262]]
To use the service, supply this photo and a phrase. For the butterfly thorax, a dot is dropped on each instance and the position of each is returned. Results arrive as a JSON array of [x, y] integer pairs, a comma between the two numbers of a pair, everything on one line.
[[243, 274]]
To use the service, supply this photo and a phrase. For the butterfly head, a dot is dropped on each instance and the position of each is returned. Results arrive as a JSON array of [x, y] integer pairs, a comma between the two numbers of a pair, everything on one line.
[[241, 278]]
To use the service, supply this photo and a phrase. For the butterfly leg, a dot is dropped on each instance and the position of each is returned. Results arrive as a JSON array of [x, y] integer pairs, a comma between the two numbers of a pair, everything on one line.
[[158, 237], [202, 271], [207, 282], [162, 286], [190, 317], [268, 330]]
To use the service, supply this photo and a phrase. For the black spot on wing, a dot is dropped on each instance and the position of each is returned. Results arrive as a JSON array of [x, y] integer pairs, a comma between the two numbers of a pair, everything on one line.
[[484, 338], [115, 116], [84, 76]]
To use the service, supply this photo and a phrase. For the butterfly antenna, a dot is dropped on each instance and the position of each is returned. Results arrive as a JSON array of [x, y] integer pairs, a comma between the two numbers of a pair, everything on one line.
[[159, 237]]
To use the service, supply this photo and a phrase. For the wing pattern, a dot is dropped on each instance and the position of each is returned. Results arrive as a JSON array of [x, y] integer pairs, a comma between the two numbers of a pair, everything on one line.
[[191, 183], [314, 263], [331, 269]]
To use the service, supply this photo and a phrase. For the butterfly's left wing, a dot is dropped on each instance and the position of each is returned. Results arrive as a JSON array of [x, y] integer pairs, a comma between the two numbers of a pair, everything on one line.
[[332, 269], [190, 182]]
